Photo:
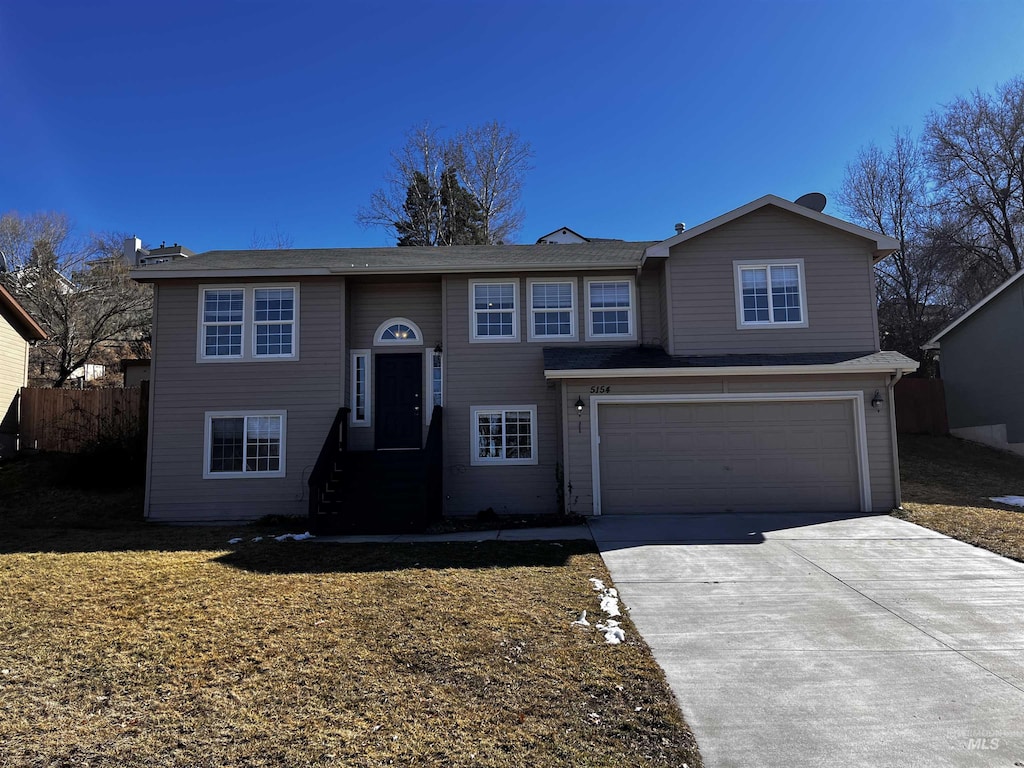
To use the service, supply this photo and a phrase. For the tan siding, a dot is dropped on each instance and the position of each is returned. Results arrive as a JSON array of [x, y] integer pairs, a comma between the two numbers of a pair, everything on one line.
[[372, 303], [13, 369], [309, 389], [651, 291], [879, 438], [837, 272]]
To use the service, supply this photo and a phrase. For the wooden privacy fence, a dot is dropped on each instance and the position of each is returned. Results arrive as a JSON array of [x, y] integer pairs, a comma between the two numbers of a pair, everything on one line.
[[68, 420], [921, 407]]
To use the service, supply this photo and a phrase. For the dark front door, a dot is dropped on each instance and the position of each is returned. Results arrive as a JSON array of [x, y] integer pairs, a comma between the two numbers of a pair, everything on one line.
[[399, 401]]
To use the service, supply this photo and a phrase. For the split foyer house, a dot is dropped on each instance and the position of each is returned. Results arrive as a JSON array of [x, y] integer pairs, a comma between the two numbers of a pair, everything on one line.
[[732, 367], [17, 331]]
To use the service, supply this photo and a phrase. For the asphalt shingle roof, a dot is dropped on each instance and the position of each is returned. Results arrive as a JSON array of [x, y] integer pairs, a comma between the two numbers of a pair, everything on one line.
[[413, 259], [613, 358]]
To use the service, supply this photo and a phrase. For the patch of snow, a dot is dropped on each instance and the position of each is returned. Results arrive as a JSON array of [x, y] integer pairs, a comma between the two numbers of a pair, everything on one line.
[[581, 621], [1013, 501], [257, 539], [598, 584], [234, 541], [610, 605], [294, 536]]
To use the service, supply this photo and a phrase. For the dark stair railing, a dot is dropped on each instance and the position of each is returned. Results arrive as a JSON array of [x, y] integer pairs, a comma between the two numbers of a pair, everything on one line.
[[376, 491], [326, 481]]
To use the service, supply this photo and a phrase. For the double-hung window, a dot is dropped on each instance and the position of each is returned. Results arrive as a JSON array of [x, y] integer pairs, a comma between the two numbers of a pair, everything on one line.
[[611, 309], [504, 434], [552, 309], [274, 321], [770, 294], [248, 322], [222, 322], [243, 444], [493, 310]]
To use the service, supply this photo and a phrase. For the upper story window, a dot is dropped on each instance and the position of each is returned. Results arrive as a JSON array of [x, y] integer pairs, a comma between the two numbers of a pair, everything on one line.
[[493, 310], [222, 322], [398, 330], [552, 309], [245, 322], [770, 294], [611, 309]]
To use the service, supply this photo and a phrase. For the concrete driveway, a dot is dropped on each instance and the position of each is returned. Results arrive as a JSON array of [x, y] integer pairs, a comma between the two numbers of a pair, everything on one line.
[[802, 640]]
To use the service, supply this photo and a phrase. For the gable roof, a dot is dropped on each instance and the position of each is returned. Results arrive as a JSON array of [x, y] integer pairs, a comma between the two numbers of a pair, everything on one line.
[[562, 231], [29, 329], [884, 245], [933, 342], [401, 260]]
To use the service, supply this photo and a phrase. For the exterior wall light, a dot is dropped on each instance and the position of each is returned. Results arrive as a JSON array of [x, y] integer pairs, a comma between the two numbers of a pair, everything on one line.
[[580, 405], [876, 401]]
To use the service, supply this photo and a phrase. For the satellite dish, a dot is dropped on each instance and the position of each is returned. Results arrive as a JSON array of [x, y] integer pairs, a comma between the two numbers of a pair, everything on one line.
[[813, 200]]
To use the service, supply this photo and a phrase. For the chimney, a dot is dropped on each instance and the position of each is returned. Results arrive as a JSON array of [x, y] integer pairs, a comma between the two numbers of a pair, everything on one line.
[[680, 227], [132, 246]]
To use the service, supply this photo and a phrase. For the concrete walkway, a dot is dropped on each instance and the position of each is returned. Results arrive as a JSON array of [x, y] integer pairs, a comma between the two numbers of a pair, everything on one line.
[[803, 640]]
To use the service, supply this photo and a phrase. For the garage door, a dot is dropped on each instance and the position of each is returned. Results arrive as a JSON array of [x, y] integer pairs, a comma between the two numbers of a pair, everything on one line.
[[728, 457]]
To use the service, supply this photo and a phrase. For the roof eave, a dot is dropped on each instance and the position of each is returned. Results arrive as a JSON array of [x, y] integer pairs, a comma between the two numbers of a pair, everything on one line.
[[734, 370], [30, 329], [147, 274], [933, 342]]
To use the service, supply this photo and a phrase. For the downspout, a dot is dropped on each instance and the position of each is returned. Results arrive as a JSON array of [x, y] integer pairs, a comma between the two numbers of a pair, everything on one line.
[[891, 388]]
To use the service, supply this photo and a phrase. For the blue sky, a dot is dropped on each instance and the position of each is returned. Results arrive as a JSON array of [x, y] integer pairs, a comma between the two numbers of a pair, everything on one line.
[[199, 123]]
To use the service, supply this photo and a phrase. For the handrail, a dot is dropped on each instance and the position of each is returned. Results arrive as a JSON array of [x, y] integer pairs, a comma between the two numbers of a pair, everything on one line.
[[337, 441], [434, 454]]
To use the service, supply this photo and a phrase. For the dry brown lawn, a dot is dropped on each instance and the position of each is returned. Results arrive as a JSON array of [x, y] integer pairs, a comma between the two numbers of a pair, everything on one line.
[[128, 645], [947, 485]]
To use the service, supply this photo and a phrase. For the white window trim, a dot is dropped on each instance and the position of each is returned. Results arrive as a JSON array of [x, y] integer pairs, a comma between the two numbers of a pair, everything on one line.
[[631, 336], [473, 338], [368, 420], [855, 397], [766, 264], [209, 416], [428, 381], [574, 333], [248, 324], [379, 342], [474, 458]]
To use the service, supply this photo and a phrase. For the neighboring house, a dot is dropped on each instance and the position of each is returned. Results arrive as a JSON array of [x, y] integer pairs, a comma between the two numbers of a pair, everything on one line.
[[135, 371], [564, 235], [981, 355], [732, 367], [17, 331]]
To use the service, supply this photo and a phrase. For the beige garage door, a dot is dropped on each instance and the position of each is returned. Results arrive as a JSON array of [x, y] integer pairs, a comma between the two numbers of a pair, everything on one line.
[[798, 456]]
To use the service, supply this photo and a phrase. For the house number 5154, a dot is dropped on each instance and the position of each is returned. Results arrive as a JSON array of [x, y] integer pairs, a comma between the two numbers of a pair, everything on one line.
[[600, 390]]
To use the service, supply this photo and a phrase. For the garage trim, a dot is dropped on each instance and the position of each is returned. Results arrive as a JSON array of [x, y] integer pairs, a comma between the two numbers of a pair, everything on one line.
[[855, 397]]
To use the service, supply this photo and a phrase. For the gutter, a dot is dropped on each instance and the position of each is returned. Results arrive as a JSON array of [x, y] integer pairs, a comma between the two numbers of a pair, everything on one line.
[[733, 370]]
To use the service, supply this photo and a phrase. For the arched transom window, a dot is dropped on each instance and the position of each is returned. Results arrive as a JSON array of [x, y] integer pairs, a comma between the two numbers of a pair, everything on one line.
[[398, 330]]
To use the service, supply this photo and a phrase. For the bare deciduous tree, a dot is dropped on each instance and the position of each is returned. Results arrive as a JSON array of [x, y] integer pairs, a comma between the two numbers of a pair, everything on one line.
[[887, 191], [78, 290], [436, 188], [975, 151], [271, 240]]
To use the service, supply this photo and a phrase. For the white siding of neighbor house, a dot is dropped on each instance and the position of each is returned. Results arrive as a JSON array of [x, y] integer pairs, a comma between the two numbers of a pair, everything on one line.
[[879, 435], [371, 302], [13, 372], [309, 389], [838, 276]]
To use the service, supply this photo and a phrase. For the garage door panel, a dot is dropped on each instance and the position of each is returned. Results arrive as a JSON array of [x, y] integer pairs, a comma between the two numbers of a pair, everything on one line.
[[749, 456]]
